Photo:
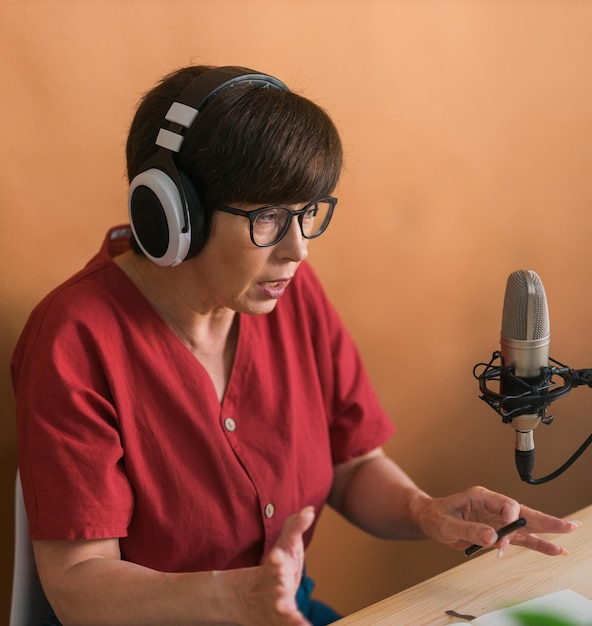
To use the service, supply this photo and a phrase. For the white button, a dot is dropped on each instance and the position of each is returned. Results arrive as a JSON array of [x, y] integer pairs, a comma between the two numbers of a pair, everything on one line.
[[230, 424], [269, 510]]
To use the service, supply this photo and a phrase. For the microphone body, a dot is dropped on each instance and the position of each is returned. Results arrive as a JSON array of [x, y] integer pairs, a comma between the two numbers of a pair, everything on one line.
[[525, 339]]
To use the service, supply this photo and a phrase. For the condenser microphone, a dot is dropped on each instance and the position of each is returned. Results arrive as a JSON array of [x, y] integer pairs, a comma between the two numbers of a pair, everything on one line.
[[527, 374], [525, 339]]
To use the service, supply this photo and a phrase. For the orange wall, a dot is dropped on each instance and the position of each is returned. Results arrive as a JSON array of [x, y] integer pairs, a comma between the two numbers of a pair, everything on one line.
[[468, 134]]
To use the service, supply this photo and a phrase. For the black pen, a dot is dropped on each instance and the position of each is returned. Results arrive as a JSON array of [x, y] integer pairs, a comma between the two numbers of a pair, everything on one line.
[[505, 530]]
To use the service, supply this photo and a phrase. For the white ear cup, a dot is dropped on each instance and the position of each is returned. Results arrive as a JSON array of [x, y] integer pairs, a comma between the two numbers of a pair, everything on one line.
[[164, 248]]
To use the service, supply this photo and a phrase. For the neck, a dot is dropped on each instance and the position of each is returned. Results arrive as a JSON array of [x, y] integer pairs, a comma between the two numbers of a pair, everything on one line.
[[175, 297], [211, 334]]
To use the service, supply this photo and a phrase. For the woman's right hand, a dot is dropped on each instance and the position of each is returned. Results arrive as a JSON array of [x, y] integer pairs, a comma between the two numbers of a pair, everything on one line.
[[272, 592]]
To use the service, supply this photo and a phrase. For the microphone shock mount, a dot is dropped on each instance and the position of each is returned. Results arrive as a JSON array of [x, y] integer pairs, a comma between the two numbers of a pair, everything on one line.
[[529, 396]]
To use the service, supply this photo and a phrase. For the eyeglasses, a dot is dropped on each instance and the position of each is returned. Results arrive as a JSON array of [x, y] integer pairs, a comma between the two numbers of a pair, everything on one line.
[[269, 224]]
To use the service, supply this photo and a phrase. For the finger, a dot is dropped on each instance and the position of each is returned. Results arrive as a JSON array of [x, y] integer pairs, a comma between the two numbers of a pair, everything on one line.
[[486, 536], [539, 522], [502, 545], [534, 542], [462, 537], [284, 581], [481, 534], [294, 527]]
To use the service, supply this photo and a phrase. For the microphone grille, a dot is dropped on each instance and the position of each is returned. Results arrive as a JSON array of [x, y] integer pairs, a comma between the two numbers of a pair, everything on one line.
[[526, 315]]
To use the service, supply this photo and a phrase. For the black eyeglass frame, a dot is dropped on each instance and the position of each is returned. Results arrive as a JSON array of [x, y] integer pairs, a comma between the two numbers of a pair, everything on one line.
[[252, 216]]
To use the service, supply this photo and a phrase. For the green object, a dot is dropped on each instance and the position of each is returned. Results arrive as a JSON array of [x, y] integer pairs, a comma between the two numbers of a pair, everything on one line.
[[527, 618]]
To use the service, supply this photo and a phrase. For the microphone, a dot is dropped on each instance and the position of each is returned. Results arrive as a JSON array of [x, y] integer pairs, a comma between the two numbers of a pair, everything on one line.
[[526, 375], [525, 339]]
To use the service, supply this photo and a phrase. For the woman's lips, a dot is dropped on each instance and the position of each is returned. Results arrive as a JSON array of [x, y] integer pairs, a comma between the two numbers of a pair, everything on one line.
[[274, 288]]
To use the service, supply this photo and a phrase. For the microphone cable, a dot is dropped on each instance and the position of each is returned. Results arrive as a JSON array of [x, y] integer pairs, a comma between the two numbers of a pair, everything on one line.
[[574, 457]]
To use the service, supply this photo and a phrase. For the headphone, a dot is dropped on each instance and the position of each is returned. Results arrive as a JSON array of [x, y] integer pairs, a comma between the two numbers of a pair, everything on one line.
[[168, 219]]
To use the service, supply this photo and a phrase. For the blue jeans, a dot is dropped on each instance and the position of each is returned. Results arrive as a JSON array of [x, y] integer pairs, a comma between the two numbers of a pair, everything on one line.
[[51, 619], [315, 611]]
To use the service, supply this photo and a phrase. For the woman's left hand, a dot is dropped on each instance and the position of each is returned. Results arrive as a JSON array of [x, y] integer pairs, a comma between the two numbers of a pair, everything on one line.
[[472, 517]]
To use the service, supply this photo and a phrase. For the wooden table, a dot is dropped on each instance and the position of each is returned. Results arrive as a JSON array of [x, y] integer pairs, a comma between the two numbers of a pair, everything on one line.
[[486, 583]]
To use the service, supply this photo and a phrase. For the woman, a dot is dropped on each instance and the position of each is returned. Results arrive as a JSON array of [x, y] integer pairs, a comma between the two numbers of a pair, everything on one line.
[[190, 400]]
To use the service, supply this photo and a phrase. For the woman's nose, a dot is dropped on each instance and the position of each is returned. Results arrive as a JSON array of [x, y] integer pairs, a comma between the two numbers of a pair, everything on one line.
[[293, 245]]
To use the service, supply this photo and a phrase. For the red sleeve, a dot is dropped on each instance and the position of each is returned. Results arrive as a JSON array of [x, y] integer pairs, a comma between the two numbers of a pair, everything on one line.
[[357, 421], [67, 428]]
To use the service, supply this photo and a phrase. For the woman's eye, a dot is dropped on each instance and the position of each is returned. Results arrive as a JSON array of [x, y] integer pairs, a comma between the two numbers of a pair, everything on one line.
[[267, 219], [311, 213]]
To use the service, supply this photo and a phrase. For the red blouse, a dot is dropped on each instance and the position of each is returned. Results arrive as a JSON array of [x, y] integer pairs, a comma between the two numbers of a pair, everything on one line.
[[121, 433]]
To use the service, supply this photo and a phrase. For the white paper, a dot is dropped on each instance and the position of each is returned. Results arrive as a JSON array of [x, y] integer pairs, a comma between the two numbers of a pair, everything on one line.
[[566, 604]]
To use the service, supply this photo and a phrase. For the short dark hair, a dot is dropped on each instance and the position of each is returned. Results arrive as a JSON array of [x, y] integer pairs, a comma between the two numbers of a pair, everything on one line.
[[248, 144]]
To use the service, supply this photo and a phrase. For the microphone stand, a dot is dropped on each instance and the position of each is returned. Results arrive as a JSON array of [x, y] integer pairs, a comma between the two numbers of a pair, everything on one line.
[[531, 399]]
